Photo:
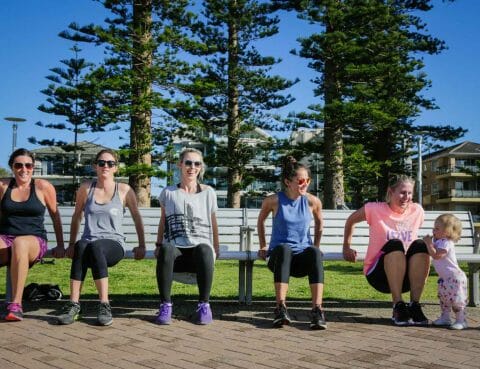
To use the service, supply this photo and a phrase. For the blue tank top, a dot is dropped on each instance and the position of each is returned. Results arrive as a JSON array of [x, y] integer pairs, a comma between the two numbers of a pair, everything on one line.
[[291, 224], [22, 218]]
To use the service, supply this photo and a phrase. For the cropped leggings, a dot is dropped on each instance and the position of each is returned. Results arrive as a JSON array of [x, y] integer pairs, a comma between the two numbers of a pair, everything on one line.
[[283, 263], [198, 259], [98, 255]]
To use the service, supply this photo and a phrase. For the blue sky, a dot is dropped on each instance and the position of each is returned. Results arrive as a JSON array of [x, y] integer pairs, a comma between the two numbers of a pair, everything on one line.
[[30, 47]]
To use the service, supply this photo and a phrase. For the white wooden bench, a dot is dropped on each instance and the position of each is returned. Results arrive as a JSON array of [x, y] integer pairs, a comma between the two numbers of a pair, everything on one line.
[[239, 240]]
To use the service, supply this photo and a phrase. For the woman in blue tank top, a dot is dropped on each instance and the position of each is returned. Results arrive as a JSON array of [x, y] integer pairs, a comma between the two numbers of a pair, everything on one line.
[[23, 239], [102, 243], [291, 251]]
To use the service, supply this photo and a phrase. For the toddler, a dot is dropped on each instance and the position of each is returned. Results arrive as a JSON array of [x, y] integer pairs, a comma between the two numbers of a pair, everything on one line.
[[452, 281]]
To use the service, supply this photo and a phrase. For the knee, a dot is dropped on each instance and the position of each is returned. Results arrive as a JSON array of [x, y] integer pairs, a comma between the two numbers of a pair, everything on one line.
[[417, 247], [166, 251], [204, 250], [315, 255], [282, 250]]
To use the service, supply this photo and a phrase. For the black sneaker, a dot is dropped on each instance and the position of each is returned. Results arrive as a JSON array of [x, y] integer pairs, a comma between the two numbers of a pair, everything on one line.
[[281, 316], [318, 319], [401, 315], [418, 318], [69, 313], [104, 316]]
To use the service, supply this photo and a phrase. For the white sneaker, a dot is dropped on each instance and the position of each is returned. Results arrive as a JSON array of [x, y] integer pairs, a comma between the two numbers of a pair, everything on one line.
[[442, 321], [458, 325]]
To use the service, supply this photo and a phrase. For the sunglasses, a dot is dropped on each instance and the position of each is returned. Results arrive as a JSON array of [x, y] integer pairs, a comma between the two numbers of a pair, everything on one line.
[[110, 163], [303, 181], [21, 165], [190, 163]]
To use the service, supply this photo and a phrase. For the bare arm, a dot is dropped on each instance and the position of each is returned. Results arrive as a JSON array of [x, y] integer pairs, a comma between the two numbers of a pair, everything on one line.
[[80, 200], [432, 251], [50, 198], [358, 216], [216, 240], [318, 219], [131, 204], [267, 208]]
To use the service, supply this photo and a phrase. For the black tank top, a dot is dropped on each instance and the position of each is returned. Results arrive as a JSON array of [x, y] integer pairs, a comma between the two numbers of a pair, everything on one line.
[[22, 218]]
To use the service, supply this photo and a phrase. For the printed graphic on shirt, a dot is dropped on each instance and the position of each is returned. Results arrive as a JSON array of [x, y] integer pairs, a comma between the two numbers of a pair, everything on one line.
[[186, 225], [402, 232]]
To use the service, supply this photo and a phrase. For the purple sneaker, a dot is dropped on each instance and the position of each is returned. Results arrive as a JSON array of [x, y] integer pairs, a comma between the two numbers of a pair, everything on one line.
[[204, 313], [164, 316], [14, 312]]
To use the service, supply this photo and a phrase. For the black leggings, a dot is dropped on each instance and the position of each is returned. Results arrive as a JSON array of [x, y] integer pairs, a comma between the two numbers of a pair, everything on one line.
[[377, 277], [283, 263], [98, 255], [198, 259]]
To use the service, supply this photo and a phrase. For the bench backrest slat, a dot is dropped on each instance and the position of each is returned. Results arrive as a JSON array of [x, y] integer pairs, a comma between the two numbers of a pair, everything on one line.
[[231, 221]]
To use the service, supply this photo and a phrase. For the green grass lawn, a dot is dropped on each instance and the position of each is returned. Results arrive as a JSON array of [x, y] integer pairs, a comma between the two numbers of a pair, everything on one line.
[[343, 281]]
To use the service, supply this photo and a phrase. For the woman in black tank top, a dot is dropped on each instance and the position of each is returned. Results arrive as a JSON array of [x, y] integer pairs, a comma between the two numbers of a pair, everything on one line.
[[23, 239]]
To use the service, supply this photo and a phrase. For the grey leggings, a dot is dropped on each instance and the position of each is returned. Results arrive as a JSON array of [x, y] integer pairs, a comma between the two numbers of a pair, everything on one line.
[[198, 259], [98, 255], [283, 263]]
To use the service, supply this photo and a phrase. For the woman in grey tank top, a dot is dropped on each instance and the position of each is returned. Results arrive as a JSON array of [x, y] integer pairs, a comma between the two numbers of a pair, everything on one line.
[[187, 238], [102, 242]]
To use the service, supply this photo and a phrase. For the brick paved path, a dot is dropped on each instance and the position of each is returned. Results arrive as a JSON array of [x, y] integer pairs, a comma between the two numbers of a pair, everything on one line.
[[359, 335]]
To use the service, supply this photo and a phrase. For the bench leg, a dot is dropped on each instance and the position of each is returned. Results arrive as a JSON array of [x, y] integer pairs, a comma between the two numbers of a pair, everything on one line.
[[241, 281], [473, 285], [249, 281]]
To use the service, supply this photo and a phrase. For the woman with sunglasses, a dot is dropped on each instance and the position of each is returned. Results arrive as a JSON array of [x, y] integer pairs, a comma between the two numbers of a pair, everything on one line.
[[102, 243], [397, 261], [23, 238], [291, 251], [187, 238]]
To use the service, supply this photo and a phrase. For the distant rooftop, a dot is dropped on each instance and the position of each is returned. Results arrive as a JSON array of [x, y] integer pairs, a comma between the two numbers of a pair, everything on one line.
[[84, 147]]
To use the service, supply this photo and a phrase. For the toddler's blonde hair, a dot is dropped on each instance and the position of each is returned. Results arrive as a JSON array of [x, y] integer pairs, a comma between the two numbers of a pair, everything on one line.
[[451, 225]]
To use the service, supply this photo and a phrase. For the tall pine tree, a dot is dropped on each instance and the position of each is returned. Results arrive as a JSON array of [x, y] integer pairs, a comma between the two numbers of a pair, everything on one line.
[[139, 74], [233, 89]]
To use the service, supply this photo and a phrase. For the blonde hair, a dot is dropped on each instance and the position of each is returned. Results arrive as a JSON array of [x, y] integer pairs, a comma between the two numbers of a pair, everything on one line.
[[187, 150], [451, 226], [395, 181]]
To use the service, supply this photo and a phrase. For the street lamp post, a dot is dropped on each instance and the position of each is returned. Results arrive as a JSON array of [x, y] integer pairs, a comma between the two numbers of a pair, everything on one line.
[[419, 171], [15, 122]]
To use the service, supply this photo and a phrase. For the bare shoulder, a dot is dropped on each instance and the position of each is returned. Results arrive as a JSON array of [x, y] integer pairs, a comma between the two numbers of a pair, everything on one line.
[[205, 187], [314, 201], [4, 182], [43, 184], [124, 187], [270, 201]]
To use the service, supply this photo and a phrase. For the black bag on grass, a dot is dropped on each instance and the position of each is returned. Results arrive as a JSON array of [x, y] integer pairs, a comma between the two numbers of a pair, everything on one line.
[[42, 292]]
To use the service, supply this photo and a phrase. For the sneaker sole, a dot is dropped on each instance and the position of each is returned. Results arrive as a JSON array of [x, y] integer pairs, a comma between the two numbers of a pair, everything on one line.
[[281, 323], [12, 318], [106, 324], [75, 318], [162, 323], [424, 323]]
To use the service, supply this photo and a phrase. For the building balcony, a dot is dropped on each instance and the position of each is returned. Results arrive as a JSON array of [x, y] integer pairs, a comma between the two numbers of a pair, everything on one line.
[[450, 171], [459, 196]]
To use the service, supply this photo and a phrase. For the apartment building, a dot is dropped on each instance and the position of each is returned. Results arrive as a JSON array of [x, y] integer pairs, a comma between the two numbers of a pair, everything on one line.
[[451, 179]]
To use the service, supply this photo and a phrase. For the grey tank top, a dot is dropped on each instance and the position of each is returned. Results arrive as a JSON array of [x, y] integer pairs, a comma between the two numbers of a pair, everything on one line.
[[103, 221]]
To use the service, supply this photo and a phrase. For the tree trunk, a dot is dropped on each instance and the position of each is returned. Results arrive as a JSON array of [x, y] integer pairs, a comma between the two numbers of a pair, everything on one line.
[[334, 195], [234, 176], [141, 117]]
